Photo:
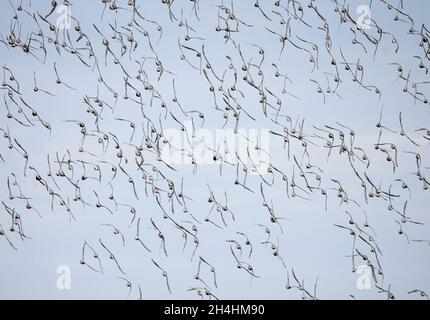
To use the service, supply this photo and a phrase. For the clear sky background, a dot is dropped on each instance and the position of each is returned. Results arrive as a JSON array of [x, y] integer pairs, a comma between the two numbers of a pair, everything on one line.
[[310, 243]]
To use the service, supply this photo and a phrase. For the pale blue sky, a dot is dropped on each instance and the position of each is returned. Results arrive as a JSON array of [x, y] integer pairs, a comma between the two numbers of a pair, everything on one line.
[[310, 243]]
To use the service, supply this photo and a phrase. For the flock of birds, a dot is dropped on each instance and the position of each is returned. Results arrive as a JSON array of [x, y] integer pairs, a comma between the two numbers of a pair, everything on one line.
[[113, 163]]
